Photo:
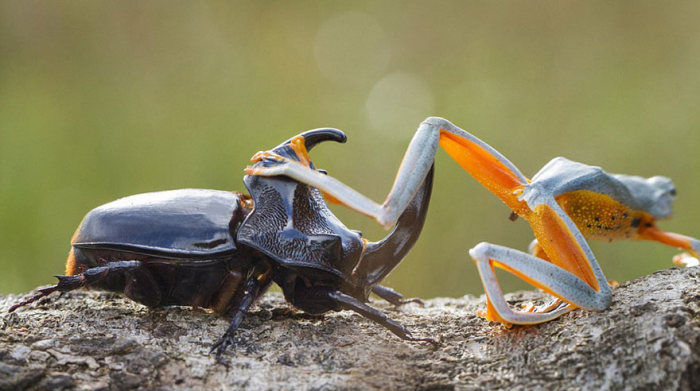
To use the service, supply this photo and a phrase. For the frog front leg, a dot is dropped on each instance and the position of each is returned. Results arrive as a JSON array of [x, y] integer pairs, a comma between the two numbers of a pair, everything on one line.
[[649, 231]]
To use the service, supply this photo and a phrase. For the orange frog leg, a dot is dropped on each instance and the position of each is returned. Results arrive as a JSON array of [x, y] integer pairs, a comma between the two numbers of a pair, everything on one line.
[[649, 231]]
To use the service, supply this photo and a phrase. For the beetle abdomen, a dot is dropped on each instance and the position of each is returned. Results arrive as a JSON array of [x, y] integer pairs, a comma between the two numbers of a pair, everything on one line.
[[182, 238], [162, 282], [191, 222]]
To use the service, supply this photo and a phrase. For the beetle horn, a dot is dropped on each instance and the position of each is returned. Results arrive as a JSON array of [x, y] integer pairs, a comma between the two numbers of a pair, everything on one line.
[[380, 258], [315, 136]]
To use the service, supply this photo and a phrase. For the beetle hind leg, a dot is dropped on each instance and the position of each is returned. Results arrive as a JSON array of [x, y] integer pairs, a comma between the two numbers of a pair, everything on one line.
[[89, 277], [40, 293]]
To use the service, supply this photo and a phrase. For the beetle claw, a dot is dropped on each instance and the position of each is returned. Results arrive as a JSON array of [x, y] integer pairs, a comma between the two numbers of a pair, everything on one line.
[[219, 348]]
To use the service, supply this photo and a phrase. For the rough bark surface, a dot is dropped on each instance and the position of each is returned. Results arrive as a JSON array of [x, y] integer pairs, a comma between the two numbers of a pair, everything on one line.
[[648, 339]]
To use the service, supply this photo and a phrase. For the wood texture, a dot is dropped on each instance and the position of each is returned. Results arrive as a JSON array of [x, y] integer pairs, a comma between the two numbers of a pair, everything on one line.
[[648, 339]]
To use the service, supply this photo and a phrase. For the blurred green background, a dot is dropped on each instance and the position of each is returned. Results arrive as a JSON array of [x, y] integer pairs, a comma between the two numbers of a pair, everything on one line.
[[99, 100]]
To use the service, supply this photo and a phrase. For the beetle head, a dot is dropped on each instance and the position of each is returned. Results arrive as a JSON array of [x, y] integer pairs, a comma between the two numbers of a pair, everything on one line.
[[290, 222], [292, 225]]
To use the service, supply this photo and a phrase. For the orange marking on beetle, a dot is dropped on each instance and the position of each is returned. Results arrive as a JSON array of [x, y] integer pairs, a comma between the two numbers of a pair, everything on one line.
[[298, 145], [245, 201], [362, 255], [71, 267], [227, 292]]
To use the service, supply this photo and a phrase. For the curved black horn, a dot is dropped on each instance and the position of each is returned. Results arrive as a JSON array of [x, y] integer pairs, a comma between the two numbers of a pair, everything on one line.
[[315, 136]]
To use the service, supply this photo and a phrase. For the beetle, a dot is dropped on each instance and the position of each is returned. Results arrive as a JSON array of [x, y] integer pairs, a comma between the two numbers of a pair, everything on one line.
[[222, 250], [564, 202]]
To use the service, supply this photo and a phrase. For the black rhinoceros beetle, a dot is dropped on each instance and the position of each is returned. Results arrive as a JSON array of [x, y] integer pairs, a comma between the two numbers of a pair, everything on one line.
[[222, 250]]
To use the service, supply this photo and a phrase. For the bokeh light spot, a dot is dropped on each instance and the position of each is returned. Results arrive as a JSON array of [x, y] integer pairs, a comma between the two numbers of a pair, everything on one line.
[[397, 104]]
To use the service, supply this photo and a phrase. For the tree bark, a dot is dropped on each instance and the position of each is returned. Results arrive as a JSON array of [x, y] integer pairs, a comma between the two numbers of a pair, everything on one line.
[[648, 339]]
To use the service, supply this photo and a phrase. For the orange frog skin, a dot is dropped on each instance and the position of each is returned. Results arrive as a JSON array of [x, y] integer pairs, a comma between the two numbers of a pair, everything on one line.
[[600, 217]]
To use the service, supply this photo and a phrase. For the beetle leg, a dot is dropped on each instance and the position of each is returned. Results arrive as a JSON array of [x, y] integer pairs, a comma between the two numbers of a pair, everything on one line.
[[88, 277], [40, 293], [394, 297], [253, 288], [350, 303]]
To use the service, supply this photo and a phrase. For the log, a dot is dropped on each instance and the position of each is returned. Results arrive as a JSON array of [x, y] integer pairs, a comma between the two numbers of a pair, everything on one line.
[[648, 339]]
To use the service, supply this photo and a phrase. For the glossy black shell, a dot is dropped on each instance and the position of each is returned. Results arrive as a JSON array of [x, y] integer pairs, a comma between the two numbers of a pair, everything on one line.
[[186, 223], [182, 239]]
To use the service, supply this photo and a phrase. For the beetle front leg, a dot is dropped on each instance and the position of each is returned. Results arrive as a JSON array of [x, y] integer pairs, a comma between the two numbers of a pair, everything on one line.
[[253, 288], [350, 303], [90, 276]]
